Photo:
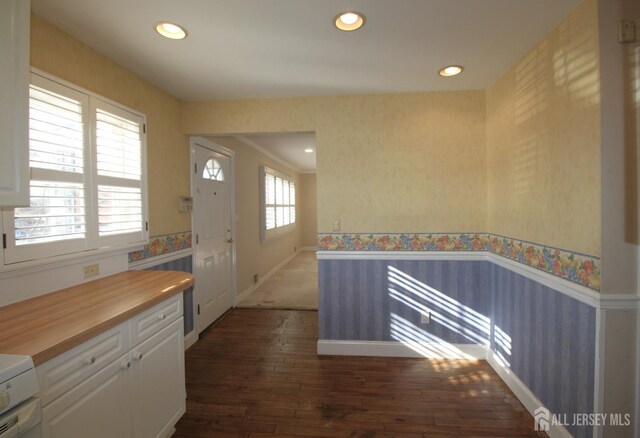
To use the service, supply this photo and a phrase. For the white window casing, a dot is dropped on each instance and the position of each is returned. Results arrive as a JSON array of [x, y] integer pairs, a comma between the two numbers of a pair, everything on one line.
[[87, 158], [277, 203]]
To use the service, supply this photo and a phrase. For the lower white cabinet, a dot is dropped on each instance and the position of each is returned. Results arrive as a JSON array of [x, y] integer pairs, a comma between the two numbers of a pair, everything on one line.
[[158, 396], [98, 407], [141, 394]]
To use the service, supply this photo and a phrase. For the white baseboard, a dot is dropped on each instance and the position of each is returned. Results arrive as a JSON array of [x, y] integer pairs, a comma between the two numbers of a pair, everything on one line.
[[524, 394], [248, 291], [399, 349], [190, 339]]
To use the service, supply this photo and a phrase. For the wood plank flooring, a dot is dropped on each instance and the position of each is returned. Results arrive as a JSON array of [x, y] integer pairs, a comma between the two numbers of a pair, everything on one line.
[[256, 374]]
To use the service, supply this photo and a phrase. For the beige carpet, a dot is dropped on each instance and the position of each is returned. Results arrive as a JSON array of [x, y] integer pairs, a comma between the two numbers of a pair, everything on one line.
[[295, 286]]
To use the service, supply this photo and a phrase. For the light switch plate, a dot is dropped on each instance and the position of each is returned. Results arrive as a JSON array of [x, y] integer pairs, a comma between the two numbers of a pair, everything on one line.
[[626, 31]]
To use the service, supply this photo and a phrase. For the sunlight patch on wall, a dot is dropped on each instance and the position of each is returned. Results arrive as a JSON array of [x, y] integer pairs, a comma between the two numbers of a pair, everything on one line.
[[502, 344], [533, 86], [575, 63], [444, 310], [422, 342]]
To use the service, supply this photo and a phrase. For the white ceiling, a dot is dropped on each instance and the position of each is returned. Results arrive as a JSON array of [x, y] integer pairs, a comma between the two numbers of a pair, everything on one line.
[[286, 148], [269, 48]]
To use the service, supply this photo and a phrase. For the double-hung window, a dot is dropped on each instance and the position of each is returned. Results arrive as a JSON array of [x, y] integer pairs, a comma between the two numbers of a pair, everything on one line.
[[87, 159], [278, 203]]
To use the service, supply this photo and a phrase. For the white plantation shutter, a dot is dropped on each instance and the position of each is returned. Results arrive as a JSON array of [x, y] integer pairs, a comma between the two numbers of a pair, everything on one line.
[[87, 186], [278, 203], [270, 196], [56, 220], [119, 158]]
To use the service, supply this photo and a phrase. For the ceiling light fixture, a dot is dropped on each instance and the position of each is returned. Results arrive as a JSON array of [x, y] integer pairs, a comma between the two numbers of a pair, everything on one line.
[[171, 30], [450, 70], [309, 150], [349, 21]]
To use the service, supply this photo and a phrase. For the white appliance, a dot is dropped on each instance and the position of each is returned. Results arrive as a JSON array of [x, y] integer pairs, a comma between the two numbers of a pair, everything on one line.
[[19, 410]]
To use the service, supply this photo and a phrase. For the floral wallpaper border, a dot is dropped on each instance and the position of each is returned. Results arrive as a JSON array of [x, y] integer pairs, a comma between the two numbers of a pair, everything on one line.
[[160, 245], [582, 269]]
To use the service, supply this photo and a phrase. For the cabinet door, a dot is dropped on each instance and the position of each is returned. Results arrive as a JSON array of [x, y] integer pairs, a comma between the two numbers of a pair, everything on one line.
[[99, 407], [14, 102], [158, 386]]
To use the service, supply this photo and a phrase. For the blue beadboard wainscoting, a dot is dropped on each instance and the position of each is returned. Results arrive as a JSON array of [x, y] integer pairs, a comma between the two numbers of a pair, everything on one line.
[[539, 339]]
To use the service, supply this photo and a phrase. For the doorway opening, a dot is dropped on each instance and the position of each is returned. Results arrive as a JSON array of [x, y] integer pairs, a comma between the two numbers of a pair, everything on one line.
[[276, 187]]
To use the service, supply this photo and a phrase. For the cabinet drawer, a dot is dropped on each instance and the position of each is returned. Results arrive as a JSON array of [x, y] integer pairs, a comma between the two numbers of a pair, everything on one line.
[[62, 373], [98, 407], [155, 319]]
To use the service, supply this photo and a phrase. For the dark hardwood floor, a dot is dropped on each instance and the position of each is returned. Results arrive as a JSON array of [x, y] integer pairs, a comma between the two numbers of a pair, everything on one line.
[[256, 374]]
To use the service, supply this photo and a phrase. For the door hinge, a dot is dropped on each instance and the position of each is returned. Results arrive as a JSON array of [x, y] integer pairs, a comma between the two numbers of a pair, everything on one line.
[[144, 128], [4, 240], [197, 239], [195, 167], [146, 226], [198, 309]]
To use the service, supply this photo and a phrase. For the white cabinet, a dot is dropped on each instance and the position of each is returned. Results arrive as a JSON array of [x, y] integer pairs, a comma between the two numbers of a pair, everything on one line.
[[97, 407], [154, 395], [14, 101], [110, 386]]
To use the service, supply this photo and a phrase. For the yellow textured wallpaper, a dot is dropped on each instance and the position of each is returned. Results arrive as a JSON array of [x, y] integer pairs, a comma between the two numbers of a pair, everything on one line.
[[59, 54], [390, 162], [543, 140]]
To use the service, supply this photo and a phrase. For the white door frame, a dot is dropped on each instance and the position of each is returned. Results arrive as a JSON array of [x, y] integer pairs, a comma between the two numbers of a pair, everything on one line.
[[208, 144]]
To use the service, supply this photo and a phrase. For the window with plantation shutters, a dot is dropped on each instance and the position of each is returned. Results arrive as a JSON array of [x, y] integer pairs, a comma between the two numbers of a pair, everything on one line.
[[118, 139], [87, 190], [278, 201]]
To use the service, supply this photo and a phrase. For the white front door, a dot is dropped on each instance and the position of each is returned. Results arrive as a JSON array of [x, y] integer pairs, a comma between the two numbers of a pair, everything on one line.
[[212, 234]]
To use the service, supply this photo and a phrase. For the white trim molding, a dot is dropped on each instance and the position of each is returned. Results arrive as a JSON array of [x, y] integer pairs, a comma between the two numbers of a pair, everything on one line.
[[190, 339], [620, 302], [400, 349], [523, 393]]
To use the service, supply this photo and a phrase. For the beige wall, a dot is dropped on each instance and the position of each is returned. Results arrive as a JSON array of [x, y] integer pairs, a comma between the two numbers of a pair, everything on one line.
[[385, 163], [253, 256], [59, 54], [308, 211], [543, 140]]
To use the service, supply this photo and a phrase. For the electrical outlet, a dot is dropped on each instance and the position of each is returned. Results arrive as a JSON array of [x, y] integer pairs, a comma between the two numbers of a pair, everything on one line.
[[91, 270], [425, 318]]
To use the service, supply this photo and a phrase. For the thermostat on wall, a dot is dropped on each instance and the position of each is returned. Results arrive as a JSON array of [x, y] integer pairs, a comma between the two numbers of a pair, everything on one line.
[[186, 203]]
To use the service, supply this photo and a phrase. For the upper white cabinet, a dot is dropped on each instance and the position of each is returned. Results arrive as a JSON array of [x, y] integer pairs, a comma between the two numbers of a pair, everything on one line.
[[14, 101]]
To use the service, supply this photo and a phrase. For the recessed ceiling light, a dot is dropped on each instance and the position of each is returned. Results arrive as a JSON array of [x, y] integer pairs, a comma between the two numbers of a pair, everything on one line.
[[171, 30], [451, 70], [349, 21], [309, 150]]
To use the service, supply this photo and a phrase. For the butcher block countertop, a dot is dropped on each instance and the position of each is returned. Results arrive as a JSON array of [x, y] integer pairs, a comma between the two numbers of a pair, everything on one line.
[[47, 326]]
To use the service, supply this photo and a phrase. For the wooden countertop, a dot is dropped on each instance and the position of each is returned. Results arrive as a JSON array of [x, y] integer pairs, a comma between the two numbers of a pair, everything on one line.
[[48, 325]]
